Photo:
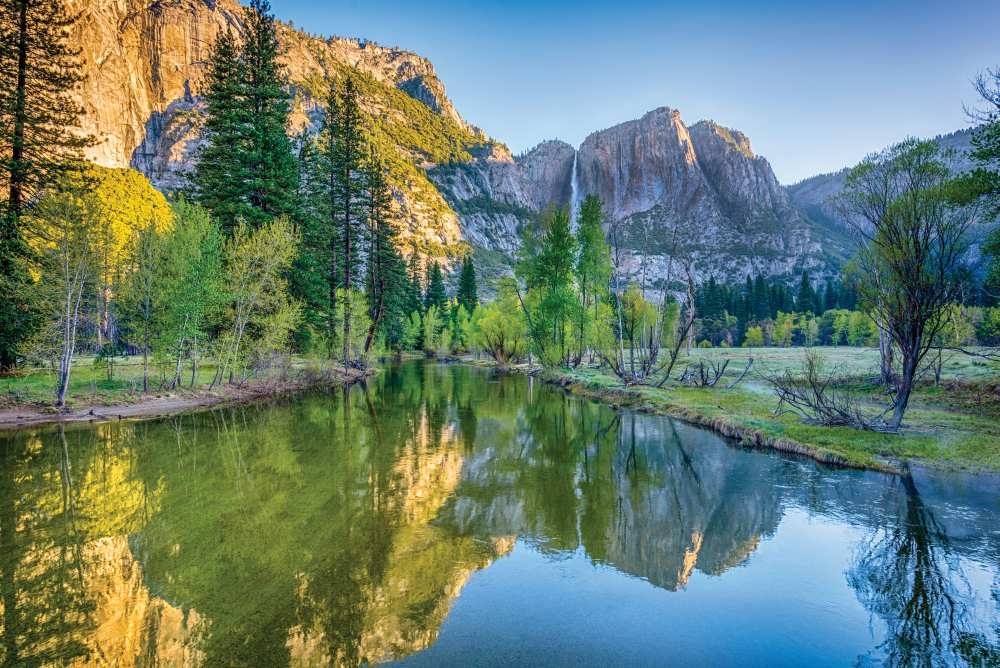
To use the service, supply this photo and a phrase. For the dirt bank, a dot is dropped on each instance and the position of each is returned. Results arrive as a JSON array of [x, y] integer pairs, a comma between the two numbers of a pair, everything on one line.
[[160, 405]]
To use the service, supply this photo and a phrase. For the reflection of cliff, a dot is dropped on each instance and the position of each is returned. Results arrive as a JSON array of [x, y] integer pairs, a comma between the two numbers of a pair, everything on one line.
[[131, 627], [297, 536], [629, 488], [684, 504]]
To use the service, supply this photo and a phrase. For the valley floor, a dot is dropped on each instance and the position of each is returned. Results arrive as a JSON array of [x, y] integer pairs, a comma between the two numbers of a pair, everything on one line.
[[954, 425]]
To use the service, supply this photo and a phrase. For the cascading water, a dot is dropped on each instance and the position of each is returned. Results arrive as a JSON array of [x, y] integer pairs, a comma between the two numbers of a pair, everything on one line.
[[574, 193]]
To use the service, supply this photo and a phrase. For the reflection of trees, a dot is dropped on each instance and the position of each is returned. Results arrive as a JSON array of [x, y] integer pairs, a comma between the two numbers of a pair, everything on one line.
[[907, 575], [303, 535], [45, 605], [338, 530], [627, 487]]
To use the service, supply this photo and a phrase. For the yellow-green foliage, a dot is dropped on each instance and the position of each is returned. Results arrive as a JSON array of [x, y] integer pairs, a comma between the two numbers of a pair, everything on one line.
[[119, 203], [124, 202]]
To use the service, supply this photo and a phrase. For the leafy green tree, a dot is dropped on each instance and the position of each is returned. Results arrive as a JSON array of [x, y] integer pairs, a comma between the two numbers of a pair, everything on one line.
[[468, 292], [189, 287], [461, 328], [261, 314], [437, 336], [436, 295], [593, 266], [500, 327], [140, 298], [546, 265], [413, 332], [38, 117], [754, 337], [913, 242], [127, 204], [67, 225]]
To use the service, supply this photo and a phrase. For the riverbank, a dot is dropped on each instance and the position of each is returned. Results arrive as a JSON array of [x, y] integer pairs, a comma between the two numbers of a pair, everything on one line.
[[124, 403], [951, 428]]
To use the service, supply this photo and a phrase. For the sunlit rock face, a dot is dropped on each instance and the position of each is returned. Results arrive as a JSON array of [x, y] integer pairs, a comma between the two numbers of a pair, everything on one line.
[[698, 189], [144, 66], [640, 164], [699, 192]]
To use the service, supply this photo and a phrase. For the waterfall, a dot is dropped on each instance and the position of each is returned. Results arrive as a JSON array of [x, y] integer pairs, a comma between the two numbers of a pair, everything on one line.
[[574, 193]]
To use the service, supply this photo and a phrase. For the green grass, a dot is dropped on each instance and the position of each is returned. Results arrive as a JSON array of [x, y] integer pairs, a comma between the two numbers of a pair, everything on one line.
[[89, 384], [955, 425]]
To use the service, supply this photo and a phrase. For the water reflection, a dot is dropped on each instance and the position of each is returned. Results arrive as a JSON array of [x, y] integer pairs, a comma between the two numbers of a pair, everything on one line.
[[339, 529]]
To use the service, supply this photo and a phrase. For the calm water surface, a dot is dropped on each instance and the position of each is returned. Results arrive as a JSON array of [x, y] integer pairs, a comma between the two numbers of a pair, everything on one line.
[[445, 516]]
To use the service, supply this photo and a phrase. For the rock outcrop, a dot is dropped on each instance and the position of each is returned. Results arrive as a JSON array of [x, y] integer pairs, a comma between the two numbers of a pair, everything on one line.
[[668, 187], [144, 65]]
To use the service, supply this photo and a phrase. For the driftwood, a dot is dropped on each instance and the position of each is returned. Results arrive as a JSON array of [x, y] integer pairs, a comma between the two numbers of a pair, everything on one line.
[[816, 398], [704, 374]]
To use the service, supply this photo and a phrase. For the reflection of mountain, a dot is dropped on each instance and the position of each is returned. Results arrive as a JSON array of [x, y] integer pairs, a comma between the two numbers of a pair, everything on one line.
[[650, 497], [696, 507], [250, 540], [339, 529]]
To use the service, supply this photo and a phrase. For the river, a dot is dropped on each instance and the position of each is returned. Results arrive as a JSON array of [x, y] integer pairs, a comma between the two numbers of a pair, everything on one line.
[[446, 515]]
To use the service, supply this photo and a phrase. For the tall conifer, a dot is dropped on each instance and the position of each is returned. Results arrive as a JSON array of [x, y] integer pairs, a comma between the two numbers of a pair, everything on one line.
[[38, 141]]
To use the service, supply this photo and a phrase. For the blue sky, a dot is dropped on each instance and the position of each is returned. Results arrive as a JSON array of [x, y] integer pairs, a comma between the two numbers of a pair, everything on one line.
[[815, 85]]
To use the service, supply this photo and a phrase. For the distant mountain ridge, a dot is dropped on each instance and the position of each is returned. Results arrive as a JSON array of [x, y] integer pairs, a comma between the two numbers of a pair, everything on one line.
[[816, 195], [667, 186]]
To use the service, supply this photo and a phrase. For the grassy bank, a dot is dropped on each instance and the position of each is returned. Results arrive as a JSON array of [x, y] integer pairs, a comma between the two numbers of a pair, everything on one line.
[[955, 424], [27, 398]]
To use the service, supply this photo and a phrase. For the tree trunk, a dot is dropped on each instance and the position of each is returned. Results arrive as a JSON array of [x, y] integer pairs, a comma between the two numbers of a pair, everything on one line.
[[905, 386], [72, 316], [886, 357]]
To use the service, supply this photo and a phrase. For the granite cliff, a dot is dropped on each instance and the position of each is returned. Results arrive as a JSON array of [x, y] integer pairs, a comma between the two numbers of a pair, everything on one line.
[[666, 185]]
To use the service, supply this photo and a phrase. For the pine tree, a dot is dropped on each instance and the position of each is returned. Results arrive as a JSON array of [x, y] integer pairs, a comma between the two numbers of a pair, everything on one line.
[[830, 298], [310, 279], [593, 264], [220, 174], [247, 169], [805, 301], [436, 295], [38, 117], [270, 162], [761, 300], [345, 148], [415, 294], [468, 293], [386, 283]]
